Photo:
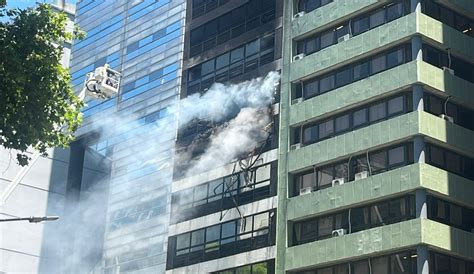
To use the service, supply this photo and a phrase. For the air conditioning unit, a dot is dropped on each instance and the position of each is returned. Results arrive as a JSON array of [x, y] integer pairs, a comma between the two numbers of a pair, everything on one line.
[[344, 38], [451, 71], [299, 14], [298, 57], [297, 101], [361, 175], [447, 118], [306, 190], [338, 181], [295, 146], [339, 232]]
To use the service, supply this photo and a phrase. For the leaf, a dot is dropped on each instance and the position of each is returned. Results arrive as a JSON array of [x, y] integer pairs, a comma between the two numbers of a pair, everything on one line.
[[36, 97]]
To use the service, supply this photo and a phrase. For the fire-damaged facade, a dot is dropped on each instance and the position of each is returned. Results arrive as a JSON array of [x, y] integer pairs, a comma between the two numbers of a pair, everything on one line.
[[223, 216]]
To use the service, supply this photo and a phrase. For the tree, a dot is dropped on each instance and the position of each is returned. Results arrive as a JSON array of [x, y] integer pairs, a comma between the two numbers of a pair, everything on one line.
[[38, 107]]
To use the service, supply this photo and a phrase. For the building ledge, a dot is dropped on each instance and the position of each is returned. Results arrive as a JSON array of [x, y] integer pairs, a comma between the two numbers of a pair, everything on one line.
[[376, 241]]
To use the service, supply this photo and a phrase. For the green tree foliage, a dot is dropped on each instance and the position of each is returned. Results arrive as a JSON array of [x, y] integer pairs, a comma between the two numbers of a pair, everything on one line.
[[38, 107]]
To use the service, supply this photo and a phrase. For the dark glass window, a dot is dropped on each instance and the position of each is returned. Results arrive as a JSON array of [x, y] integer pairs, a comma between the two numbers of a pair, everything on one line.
[[267, 267], [360, 25], [361, 218], [403, 262], [436, 105], [380, 161], [377, 18], [378, 64], [360, 117], [353, 26], [222, 61], [229, 25], [308, 180], [353, 119], [326, 129], [311, 89], [342, 123], [310, 5], [395, 58], [327, 39], [310, 133], [377, 112], [439, 58], [343, 77], [221, 240], [213, 196], [394, 11], [207, 67], [459, 164], [231, 64], [361, 69], [396, 156], [325, 177], [326, 83], [396, 105]]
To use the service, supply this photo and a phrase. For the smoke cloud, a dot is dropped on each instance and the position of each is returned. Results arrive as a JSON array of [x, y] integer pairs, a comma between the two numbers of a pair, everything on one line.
[[245, 107], [145, 147], [223, 101]]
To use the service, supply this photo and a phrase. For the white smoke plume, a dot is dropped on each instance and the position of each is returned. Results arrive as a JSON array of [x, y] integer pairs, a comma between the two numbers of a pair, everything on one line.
[[240, 109], [223, 101], [244, 106], [240, 135]]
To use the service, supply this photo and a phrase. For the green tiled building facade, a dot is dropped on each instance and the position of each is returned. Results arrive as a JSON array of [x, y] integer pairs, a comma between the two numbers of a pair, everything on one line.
[[376, 160]]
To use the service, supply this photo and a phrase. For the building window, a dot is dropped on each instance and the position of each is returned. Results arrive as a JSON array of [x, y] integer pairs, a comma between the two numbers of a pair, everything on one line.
[[137, 213], [354, 72], [231, 25], [450, 214], [225, 239], [458, 164], [214, 196], [201, 7], [449, 17], [436, 106], [379, 161], [440, 263], [310, 5], [354, 26], [398, 263], [231, 64], [354, 119], [440, 59], [267, 267]]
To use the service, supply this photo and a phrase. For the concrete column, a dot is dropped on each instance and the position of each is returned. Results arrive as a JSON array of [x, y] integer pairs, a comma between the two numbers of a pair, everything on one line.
[[416, 48], [422, 265], [418, 98], [420, 204], [415, 5], [419, 149]]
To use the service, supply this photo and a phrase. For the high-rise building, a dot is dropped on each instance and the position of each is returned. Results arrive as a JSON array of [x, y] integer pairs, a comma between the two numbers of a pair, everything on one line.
[[123, 218], [223, 216], [375, 162]]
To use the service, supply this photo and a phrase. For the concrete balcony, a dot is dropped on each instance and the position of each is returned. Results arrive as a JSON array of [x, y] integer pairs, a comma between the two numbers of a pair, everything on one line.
[[380, 240], [381, 187]]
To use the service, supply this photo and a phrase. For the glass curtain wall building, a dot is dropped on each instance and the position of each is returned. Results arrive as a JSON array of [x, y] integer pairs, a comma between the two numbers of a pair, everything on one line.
[[376, 160], [134, 131]]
